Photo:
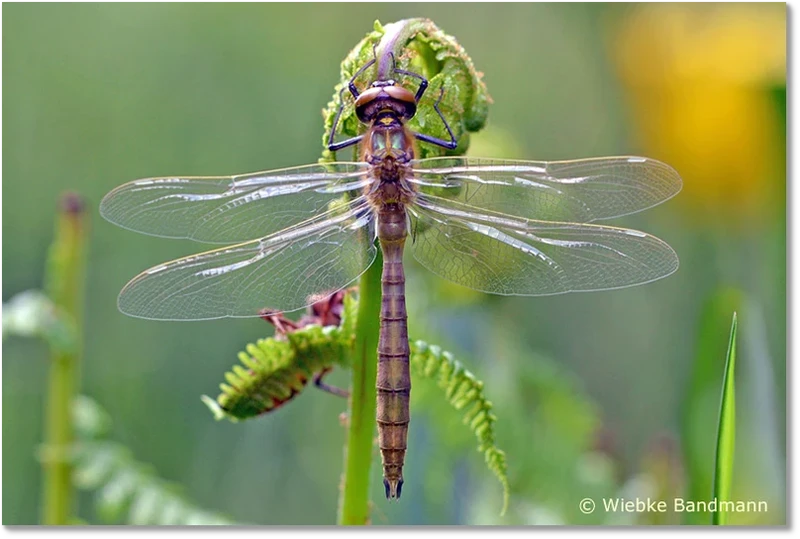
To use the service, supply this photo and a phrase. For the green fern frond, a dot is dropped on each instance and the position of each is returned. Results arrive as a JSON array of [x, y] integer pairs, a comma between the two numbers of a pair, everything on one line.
[[274, 371], [122, 484], [347, 329], [464, 392]]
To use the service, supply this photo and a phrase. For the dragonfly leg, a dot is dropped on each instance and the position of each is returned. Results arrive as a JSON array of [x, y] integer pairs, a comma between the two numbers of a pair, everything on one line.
[[423, 85], [452, 143], [282, 324], [336, 146], [329, 388], [423, 82], [338, 115], [352, 84]]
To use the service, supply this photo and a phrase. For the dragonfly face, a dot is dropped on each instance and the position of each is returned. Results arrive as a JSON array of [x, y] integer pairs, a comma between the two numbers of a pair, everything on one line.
[[383, 96], [498, 226]]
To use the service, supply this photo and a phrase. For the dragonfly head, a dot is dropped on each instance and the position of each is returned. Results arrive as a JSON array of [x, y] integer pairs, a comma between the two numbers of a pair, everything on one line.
[[383, 97]]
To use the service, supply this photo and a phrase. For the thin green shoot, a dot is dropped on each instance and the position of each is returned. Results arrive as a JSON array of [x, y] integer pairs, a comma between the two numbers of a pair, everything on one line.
[[726, 434]]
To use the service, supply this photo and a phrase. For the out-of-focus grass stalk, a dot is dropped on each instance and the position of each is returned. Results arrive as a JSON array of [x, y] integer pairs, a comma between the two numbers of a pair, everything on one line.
[[726, 433], [354, 496], [701, 405], [64, 286]]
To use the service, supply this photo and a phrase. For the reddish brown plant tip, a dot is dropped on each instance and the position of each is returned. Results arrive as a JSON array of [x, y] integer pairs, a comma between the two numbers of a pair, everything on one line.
[[605, 441], [325, 310], [663, 446], [268, 314], [72, 203]]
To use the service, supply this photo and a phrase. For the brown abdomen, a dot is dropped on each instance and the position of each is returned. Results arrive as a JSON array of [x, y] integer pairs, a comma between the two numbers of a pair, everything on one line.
[[394, 380]]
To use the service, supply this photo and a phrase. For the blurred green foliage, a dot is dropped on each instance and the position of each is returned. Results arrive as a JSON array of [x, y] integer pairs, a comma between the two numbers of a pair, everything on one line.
[[125, 490], [590, 389]]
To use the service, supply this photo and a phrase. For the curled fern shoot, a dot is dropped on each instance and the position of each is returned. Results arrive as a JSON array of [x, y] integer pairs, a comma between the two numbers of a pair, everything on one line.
[[275, 370], [272, 372], [464, 392], [420, 46]]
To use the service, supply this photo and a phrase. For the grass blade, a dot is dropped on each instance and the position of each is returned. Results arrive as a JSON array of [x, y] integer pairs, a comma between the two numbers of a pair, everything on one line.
[[726, 434]]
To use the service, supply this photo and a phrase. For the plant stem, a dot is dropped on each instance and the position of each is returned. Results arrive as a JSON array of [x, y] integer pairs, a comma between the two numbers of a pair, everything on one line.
[[65, 278], [354, 500]]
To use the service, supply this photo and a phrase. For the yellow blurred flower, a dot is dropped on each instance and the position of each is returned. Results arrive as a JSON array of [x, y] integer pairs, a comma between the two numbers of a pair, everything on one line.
[[702, 81]]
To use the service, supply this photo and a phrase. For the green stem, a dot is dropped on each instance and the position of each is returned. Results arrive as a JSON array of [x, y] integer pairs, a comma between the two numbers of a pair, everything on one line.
[[354, 501], [65, 277]]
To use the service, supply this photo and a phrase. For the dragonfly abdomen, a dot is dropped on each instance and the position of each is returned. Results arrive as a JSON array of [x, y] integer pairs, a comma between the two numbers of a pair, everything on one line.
[[394, 380]]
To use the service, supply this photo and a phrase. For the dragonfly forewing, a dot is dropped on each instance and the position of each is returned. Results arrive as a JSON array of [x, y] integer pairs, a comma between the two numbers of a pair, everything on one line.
[[282, 271], [581, 191], [231, 209], [505, 255]]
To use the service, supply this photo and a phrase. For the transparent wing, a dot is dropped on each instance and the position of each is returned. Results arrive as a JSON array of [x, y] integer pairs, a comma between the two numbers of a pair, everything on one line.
[[231, 209], [509, 256], [583, 191], [280, 271]]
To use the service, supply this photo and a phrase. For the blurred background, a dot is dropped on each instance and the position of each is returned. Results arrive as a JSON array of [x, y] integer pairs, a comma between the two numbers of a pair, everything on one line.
[[597, 394]]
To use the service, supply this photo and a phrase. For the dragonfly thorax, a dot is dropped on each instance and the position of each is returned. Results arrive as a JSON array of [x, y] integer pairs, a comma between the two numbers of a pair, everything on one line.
[[388, 140], [389, 148]]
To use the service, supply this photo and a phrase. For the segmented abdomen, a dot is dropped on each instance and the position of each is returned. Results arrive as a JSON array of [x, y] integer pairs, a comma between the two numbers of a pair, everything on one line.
[[394, 380]]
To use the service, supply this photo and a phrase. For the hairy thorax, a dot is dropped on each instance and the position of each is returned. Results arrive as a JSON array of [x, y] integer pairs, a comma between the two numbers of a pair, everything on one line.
[[389, 196]]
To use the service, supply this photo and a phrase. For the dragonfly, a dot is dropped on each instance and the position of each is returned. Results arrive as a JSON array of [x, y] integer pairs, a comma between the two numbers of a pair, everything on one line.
[[504, 227]]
